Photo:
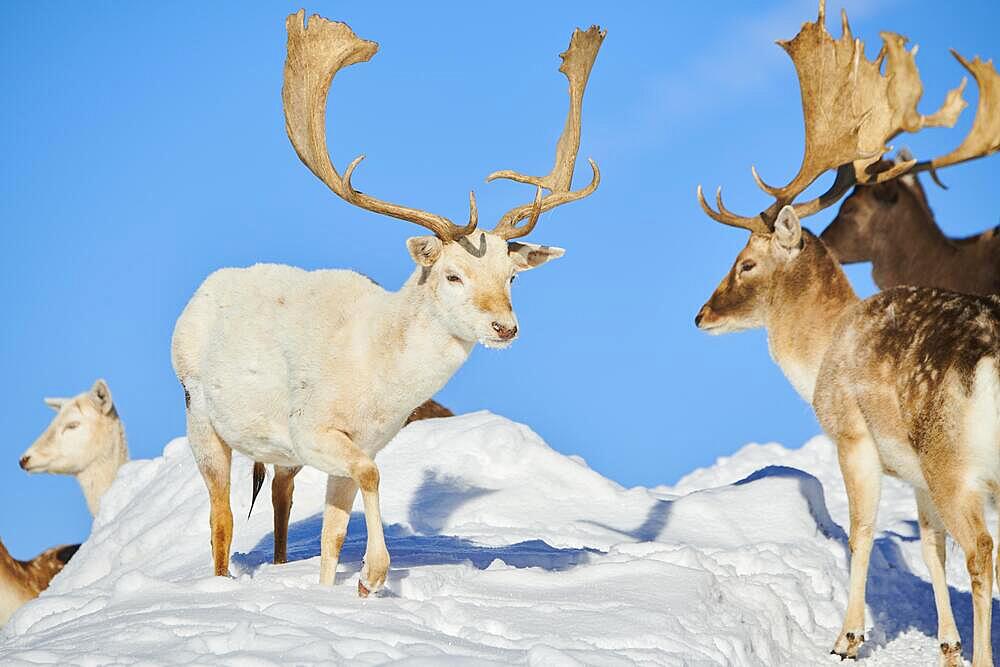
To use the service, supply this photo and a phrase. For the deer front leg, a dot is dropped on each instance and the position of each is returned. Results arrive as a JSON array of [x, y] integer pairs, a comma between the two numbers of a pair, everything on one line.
[[862, 470], [932, 544], [282, 488], [376, 566], [333, 452], [340, 492]]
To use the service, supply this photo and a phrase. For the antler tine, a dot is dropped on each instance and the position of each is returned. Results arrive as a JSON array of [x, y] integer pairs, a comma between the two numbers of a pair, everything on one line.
[[315, 54], [442, 227], [845, 180], [577, 62], [984, 137], [726, 217], [507, 227]]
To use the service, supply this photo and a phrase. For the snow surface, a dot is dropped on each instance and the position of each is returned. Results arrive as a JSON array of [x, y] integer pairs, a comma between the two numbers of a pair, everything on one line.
[[503, 551]]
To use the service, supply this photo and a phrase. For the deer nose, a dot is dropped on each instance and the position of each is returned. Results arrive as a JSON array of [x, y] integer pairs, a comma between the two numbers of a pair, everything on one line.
[[503, 331], [701, 315], [24, 462]]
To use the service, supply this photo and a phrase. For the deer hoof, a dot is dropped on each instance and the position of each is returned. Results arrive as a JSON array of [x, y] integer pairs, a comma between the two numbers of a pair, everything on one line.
[[847, 645], [363, 591], [951, 654]]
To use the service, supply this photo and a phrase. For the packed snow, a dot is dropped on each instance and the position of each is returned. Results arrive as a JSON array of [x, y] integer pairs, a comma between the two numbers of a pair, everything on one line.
[[504, 551]]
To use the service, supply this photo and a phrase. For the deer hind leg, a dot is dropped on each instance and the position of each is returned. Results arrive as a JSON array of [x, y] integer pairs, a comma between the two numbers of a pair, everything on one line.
[[862, 471], [214, 459], [282, 488], [932, 544], [960, 506]]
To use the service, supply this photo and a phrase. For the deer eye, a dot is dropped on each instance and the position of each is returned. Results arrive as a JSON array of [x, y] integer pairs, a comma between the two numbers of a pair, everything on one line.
[[512, 278], [452, 278], [71, 425], [747, 266]]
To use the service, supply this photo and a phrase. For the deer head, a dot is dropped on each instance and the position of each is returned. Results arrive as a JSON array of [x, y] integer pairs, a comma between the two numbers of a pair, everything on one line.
[[744, 297], [851, 109], [77, 435], [465, 272], [871, 216]]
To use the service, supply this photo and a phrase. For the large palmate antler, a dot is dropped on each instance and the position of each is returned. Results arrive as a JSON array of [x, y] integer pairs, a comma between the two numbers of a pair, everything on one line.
[[577, 62], [315, 54], [851, 110], [984, 137]]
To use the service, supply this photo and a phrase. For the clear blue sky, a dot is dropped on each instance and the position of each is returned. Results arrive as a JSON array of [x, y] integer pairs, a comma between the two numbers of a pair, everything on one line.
[[143, 146]]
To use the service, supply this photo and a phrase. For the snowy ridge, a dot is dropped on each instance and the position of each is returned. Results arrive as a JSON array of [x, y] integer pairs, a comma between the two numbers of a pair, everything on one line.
[[503, 551]]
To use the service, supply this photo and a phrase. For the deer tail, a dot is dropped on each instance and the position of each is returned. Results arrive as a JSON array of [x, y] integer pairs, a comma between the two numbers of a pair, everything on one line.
[[258, 481]]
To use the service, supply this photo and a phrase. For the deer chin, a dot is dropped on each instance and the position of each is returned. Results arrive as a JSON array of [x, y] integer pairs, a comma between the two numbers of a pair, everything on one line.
[[33, 467], [497, 343], [724, 326]]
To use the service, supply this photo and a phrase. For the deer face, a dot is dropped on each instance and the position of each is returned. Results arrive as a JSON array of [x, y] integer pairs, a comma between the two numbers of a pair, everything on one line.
[[743, 297], [470, 280], [855, 232], [72, 441]]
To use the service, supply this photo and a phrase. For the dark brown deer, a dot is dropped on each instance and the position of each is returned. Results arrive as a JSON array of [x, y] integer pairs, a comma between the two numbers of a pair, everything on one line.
[[891, 225], [23, 580], [907, 382]]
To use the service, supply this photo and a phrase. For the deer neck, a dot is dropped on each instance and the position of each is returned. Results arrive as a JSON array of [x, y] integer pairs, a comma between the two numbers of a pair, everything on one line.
[[909, 237], [423, 353], [807, 302], [10, 567], [97, 477]]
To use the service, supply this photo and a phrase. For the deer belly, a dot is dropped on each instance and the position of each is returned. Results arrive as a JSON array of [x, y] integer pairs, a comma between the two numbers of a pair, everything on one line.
[[268, 450], [981, 423], [253, 425], [900, 460]]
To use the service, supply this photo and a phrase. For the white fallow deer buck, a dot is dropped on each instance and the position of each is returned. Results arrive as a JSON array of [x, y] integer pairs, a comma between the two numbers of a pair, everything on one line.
[[322, 368], [23, 580], [907, 382], [86, 439]]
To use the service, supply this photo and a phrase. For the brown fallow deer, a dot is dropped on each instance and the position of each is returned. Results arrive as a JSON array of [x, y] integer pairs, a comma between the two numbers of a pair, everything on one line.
[[907, 382], [891, 225], [23, 580], [322, 368], [86, 439], [283, 482]]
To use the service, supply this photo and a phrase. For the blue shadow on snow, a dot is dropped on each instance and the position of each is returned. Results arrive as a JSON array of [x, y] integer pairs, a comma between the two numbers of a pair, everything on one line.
[[437, 498]]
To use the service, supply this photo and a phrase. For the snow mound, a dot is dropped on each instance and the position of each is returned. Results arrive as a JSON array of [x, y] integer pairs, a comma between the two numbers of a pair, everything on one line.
[[503, 551]]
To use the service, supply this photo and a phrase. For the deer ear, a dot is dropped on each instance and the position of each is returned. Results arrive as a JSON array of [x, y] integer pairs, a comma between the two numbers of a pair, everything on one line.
[[55, 403], [424, 250], [887, 193], [528, 255], [101, 396], [787, 231]]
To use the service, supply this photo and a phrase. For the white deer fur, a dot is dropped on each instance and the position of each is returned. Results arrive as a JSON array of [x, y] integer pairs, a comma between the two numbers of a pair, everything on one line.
[[86, 439], [322, 368]]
